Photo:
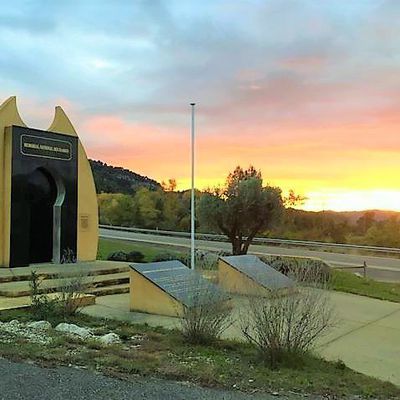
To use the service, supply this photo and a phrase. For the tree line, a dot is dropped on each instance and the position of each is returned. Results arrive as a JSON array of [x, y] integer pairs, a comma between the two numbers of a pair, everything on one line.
[[242, 209]]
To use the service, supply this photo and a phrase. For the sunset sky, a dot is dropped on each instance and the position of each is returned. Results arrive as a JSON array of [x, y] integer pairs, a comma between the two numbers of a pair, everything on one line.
[[306, 91]]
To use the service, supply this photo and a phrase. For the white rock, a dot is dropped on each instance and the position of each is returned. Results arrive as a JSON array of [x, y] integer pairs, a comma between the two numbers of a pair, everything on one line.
[[73, 329], [15, 329], [40, 325], [109, 338]]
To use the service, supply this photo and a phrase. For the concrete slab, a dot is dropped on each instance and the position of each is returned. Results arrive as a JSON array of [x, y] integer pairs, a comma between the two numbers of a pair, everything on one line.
[[371, 349], [360, 308], [367, 337]]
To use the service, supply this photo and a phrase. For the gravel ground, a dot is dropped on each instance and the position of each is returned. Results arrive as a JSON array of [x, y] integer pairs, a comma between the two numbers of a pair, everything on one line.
[[27, 381]]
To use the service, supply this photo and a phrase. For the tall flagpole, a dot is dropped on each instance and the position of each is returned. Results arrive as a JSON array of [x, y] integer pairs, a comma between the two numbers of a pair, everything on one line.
[[192, 215]]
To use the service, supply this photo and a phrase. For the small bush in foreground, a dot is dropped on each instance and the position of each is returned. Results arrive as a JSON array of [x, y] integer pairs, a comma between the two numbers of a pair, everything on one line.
[[208, 315], [70, 293], [66, 302], [287, 324]]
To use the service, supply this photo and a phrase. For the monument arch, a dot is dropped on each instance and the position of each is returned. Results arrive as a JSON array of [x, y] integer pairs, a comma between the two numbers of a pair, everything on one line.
[[48, 203]]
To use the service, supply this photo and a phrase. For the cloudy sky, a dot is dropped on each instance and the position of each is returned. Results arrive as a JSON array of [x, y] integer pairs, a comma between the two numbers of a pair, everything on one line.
[[307, 91]]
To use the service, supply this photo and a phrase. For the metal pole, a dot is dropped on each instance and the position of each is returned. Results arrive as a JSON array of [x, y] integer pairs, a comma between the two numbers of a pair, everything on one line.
[[192, 215]]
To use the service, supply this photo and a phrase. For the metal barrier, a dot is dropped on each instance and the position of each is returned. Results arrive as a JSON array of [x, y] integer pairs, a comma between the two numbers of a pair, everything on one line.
[[258, 240], [363, 267]]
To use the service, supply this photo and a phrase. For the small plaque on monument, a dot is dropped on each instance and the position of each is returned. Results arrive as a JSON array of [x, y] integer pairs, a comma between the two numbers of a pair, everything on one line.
[[36, 146]]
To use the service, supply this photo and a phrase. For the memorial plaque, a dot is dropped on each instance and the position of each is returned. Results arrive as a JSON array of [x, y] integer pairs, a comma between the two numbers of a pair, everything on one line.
[[180, 282], [258, 271], [37, 146]]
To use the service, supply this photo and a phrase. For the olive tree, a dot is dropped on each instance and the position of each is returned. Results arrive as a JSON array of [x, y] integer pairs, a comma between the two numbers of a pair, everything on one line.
[[243, 208]]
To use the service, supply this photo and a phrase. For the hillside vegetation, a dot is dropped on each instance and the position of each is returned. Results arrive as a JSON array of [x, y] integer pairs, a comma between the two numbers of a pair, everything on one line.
[[111, 179]]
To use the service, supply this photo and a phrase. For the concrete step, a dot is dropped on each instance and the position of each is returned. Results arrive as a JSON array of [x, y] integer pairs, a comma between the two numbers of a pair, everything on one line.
[[14, 303], [52, 271], [22, 288], [107, 290]]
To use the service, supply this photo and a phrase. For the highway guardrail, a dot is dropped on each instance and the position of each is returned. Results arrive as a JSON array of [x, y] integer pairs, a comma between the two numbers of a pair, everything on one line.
[[257, 240]]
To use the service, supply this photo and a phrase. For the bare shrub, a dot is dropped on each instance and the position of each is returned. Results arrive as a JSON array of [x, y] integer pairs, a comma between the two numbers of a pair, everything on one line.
[[207, 313], [288, 323], [41, 305], [70, 293], [66, 302]]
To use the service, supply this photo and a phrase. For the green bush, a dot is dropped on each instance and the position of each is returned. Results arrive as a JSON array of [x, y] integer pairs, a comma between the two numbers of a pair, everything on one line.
[[118, 256], [132, 256], [165, 256], [135, 256]]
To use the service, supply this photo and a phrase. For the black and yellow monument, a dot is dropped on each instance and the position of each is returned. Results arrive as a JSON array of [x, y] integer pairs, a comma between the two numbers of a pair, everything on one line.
[[48, 204]]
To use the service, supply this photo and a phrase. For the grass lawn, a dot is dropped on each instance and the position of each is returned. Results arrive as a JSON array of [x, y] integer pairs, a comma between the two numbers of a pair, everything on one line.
[[162, 353], [108, 246], [344, 281]]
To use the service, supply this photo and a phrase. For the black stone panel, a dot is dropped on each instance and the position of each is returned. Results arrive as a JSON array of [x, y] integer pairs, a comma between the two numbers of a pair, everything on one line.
[[42, 162], [180, 282]]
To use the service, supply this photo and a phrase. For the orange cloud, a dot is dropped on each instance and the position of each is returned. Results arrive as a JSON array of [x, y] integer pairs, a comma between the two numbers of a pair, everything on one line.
[[356, 162]]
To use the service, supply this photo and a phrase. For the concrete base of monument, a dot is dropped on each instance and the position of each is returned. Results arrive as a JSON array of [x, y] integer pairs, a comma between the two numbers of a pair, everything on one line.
[[101, 277]]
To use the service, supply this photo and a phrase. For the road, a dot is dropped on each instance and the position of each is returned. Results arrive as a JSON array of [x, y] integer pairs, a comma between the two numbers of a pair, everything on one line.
[[380, 268], [21, 381]]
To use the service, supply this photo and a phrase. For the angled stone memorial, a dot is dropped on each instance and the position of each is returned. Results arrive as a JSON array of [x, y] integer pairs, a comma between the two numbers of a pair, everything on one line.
[[166, 287], [248, 275], [48, 203]]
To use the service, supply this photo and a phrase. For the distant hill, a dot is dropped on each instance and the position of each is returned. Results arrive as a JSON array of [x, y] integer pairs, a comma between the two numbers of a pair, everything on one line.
[[353, 216], [111, 179]]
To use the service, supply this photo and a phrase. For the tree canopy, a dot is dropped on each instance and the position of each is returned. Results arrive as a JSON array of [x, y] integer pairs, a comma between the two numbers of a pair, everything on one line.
[[243, 208]]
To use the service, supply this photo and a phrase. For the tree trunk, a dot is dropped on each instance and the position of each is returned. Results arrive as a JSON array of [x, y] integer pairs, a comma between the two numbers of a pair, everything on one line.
[[245, 247], [236, 246]]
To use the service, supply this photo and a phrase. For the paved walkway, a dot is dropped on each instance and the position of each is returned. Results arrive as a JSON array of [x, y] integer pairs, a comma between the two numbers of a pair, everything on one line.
[[367, 337]]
